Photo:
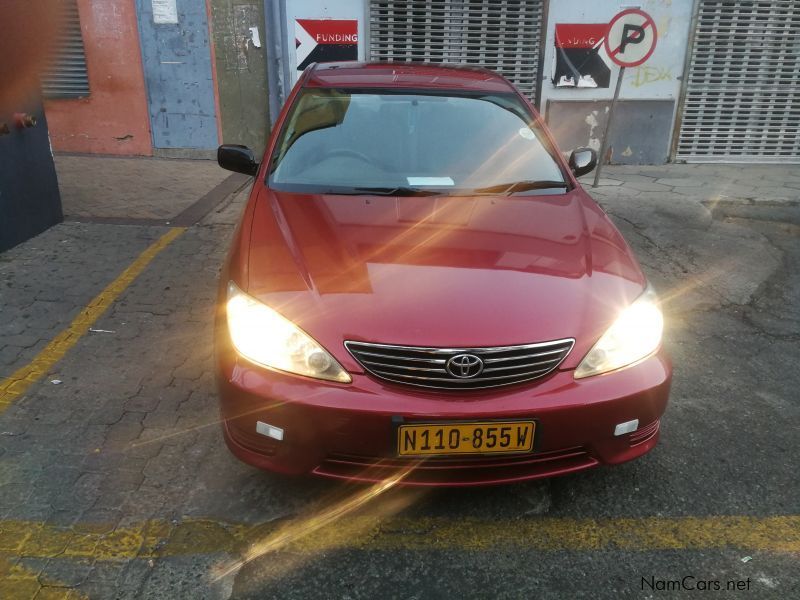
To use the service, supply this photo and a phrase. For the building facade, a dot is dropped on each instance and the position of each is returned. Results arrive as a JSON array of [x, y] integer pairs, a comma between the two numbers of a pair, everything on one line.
[[178, 77], [157, 77]]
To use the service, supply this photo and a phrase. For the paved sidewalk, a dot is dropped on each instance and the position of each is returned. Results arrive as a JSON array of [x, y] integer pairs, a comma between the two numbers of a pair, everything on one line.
[[115, 481], [132, 188], [696, 222], [703, 182]]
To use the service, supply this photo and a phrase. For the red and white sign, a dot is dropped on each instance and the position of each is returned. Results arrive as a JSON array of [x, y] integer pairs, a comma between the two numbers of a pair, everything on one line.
[[325, 40], [580, 35], [578, 62], [631, 38]]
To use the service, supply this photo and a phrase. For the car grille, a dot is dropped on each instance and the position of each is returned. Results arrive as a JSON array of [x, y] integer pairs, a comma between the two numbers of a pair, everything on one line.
[[433, 367]]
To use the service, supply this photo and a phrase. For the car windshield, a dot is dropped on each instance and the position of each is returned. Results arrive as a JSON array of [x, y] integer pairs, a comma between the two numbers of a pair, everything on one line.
[[351, 142]]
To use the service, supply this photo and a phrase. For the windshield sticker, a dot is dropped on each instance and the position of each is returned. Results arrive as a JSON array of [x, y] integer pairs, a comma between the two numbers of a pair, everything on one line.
[[430, 181], [527, 133]]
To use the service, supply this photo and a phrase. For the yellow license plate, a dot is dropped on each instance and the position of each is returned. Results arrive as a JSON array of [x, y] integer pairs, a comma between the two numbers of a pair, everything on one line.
[[465, 438]]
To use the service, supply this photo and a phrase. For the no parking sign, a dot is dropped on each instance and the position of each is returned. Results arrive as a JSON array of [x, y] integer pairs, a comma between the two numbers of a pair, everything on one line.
[[630, 40]]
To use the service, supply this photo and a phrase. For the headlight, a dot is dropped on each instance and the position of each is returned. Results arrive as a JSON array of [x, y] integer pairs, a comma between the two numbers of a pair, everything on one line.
[[265, 337], [635, 334]]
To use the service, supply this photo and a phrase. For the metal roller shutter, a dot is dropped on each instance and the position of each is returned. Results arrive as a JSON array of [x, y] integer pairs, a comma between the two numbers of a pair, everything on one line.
[[66, 76], [742, 101], [502, 35]]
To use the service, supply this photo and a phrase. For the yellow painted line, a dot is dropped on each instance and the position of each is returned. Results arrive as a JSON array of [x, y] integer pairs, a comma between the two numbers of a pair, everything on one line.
[[17, 581], [15, 385], [153, 539]]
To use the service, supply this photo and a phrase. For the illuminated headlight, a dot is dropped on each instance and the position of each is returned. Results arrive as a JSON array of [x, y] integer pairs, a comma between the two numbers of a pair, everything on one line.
[[265, 337], [634, 335]]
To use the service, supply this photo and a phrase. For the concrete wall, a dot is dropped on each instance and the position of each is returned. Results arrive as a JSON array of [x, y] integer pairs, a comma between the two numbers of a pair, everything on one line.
[[641, 134], [113, 119], [240, 53], [643, 126], [29, 199]]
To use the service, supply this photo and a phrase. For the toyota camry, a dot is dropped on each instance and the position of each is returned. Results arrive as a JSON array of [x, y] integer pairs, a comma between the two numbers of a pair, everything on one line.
[[420, 285]]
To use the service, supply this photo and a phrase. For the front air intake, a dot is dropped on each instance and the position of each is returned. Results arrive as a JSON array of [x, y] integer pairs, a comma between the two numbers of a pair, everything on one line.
[[460, 368]]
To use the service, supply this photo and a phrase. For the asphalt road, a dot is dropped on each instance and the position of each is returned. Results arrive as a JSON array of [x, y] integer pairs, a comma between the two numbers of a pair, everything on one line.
[[115, 482]]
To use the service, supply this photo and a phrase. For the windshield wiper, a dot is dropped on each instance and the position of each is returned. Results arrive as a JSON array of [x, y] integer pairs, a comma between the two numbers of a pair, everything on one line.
[[395, 191], [521, 186]]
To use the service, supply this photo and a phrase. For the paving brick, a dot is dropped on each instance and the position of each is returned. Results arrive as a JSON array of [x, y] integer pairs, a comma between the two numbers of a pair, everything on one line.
[[625, 177], [102, 580], [185, 577], [14, 494], [159, 420], [143, 188], [68, 573], [648, 186], [606, 182], [620, 191], [127, 429], [681, 182], [9, 355]]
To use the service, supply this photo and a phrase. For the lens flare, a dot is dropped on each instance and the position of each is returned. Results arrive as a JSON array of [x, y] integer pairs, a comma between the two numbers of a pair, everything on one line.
[[634, 335], [303, 527]]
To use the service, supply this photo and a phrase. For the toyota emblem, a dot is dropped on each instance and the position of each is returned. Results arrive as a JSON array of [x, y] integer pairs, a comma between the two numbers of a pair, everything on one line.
[[464, 366]]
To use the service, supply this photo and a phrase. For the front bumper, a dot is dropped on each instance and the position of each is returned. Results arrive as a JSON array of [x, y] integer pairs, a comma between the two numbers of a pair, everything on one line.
[[347, 431]]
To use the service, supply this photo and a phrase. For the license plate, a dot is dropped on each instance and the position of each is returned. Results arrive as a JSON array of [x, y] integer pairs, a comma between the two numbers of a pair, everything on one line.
[[465, 438]]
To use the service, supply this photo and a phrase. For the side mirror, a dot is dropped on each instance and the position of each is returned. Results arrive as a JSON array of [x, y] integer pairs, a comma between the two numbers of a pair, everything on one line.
[[582, 161], [240, 159]]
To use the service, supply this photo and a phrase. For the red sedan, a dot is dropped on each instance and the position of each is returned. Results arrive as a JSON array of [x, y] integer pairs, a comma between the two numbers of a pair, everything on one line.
[[420, 286]]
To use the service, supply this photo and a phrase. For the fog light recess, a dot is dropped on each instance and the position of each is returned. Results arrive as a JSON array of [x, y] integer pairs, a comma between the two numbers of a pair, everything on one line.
[[626, 427], [271, 431]]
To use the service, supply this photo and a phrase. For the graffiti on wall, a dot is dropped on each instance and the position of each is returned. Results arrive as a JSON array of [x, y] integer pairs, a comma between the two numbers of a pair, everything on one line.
[[645, 75]]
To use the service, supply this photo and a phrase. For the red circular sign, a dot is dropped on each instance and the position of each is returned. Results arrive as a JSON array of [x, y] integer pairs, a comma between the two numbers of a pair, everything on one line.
[[633, 33]]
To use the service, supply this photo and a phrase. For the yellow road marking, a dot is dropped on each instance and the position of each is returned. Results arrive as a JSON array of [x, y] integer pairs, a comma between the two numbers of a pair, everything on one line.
[[15, 385], [153, 539], [16, 581]]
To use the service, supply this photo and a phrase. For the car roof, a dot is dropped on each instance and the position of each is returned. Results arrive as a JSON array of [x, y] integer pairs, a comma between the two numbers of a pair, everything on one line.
[[406, 75]]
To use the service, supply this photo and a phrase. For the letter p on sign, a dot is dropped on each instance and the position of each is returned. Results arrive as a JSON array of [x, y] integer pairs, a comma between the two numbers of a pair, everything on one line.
[[631, 38]]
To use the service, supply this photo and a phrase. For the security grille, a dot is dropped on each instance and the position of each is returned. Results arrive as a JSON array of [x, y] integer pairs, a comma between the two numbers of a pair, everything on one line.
[[743, 85], [66, 75], [502, 35]]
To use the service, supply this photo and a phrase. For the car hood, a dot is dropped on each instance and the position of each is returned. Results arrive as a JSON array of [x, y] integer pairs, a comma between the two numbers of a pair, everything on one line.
[[441, 271]]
